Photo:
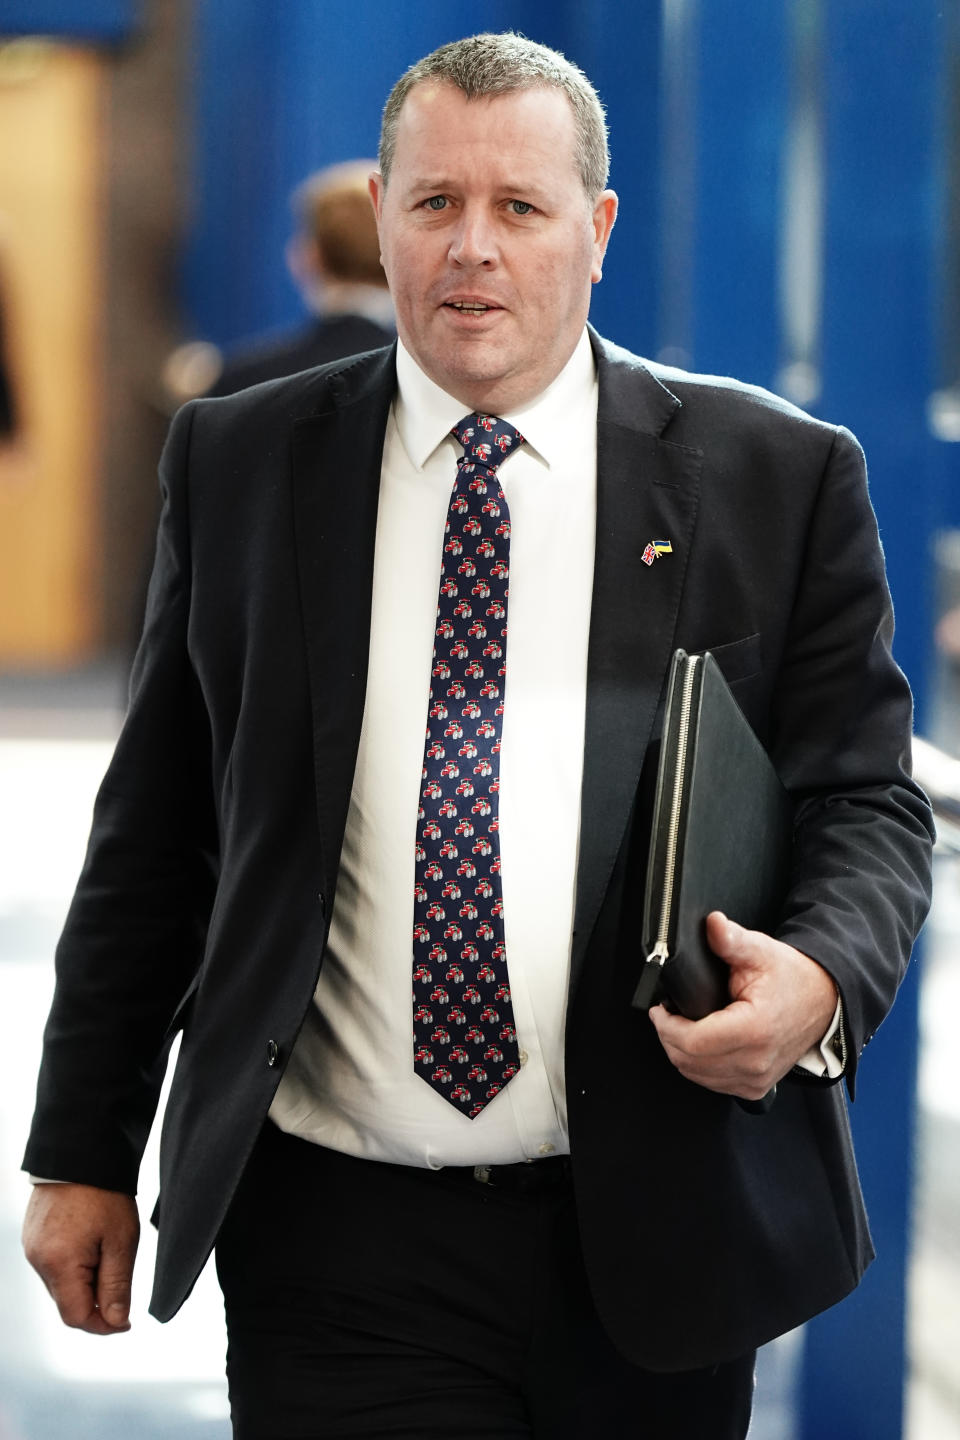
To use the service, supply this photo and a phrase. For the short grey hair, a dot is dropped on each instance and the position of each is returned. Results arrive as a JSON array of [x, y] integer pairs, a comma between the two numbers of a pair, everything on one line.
[[488, 64]]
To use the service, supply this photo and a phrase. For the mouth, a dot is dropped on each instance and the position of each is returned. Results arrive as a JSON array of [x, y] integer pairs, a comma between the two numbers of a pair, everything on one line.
[[471, 307]]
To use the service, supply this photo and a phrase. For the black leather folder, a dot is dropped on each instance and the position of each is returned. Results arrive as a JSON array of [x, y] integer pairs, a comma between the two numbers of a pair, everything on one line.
[[721, 840]]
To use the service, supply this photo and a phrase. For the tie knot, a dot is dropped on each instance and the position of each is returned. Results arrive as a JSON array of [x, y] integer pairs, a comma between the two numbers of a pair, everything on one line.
[[486, 439]]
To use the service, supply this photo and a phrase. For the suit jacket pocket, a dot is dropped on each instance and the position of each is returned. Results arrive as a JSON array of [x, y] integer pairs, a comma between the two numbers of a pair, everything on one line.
[[182, 1013]]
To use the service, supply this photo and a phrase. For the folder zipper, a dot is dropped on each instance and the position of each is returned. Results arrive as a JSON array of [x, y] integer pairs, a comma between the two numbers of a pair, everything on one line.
[[661, 950]]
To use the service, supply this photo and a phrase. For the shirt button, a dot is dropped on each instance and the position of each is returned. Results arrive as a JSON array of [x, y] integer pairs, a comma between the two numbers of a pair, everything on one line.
[[524, 1057], [546, 1148]]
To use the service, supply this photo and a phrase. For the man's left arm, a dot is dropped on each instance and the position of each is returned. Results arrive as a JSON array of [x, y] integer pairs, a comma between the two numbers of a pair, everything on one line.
[[860, 883]]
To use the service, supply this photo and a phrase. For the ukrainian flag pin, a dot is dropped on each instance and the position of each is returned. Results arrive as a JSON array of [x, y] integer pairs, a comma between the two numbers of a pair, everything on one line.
[[655, 549]]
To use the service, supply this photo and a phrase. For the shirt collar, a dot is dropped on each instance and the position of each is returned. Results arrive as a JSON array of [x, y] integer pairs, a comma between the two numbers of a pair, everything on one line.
[[425, 414]]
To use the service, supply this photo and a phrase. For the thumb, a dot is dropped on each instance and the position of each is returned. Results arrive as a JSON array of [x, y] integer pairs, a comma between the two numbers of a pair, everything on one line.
[[724, 936], [731, 942], [114, 1278]]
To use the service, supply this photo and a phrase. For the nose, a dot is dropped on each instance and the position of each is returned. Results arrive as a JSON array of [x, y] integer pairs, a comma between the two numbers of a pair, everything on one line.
[[473, 242]]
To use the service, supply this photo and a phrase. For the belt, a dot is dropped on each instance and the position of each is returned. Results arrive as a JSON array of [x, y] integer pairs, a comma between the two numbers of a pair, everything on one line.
[[524, 1178]]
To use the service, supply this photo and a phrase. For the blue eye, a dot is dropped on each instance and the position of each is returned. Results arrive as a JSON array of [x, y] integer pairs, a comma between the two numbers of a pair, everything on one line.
[[437, 202], [521, 207]]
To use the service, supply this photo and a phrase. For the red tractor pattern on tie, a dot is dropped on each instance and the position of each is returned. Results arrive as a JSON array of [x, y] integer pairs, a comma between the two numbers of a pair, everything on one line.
[[478, 521]]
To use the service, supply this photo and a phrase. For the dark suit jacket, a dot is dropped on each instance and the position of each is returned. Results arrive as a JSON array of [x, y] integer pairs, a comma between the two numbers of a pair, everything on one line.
[[327, 338], [217, 833]]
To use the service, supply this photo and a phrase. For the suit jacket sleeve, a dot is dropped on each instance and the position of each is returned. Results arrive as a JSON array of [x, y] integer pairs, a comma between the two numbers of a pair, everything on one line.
[[842, 729], [135, 930]]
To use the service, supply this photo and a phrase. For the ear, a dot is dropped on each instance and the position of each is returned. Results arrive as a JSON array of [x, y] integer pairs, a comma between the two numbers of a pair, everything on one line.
[[604, 215], [376, 188]]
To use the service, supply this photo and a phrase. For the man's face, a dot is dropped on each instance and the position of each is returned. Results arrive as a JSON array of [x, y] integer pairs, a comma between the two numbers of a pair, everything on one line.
[[489, 241]]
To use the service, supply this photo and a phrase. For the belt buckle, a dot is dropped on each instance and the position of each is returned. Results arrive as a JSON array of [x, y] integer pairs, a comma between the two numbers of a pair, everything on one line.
[[481, 1173]]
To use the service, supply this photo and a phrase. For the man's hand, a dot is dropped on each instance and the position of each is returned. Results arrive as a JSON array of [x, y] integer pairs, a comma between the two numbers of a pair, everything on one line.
[[82, 1242], [781, 1004]]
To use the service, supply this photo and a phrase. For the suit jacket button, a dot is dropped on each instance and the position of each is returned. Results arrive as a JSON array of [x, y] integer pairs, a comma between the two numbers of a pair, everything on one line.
[[272, 1052]]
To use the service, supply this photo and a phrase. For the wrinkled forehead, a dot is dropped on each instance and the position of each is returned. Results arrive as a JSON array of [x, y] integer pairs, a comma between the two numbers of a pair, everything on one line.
[[528, 124]]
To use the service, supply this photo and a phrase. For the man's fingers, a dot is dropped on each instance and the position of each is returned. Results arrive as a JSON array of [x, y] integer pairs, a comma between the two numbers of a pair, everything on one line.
[[715, 1039], [781, 1004], [82, 1242], [115, 1276]]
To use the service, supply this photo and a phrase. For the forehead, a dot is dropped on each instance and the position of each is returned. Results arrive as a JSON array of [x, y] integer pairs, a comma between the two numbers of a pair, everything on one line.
[[439, 126]]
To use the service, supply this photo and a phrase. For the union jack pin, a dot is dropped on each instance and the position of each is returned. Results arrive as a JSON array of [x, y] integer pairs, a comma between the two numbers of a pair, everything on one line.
[[655, 549]]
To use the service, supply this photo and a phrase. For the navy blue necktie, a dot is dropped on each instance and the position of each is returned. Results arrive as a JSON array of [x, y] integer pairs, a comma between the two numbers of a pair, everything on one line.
[[464, 1036]]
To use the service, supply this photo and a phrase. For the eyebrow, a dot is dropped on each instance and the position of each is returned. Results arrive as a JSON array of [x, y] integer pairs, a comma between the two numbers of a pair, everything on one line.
[[433, 185]]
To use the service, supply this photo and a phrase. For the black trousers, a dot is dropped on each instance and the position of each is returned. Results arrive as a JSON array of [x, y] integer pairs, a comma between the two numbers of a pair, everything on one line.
[[373, 1300]]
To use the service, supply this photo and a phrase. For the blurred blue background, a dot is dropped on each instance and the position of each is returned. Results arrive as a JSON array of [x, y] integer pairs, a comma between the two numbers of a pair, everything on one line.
[[787, 171]]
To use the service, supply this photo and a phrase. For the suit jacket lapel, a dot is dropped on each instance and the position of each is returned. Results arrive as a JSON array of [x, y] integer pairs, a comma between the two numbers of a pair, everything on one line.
[[336, 459], [647, 490]]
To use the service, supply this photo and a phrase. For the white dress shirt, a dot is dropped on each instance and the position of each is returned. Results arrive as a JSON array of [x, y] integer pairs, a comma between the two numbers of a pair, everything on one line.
[[350, 1082]]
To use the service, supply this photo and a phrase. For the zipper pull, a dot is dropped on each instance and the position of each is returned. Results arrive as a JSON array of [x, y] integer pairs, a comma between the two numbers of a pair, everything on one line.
[[647, 992]]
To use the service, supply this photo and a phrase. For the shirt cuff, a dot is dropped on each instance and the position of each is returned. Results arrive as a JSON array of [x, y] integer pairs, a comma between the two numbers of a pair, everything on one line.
[[828, 1060]]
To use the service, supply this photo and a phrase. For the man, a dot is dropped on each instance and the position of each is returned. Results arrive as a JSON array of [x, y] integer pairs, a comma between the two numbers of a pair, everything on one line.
[[547, 1215], [334, 260]]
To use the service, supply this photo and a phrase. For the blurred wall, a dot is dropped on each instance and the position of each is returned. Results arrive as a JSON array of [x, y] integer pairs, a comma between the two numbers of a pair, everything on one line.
[[90, 178], [50, 110]]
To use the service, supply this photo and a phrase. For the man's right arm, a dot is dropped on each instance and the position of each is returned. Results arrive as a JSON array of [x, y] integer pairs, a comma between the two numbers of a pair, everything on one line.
[[132, 942]]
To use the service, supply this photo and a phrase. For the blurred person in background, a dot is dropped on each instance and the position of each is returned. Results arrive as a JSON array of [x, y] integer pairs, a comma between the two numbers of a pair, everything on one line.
[[457, 1184], [334, 259]]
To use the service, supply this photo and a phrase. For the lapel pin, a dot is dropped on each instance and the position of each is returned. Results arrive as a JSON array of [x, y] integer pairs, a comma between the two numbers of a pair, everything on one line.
[[655, 549]]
